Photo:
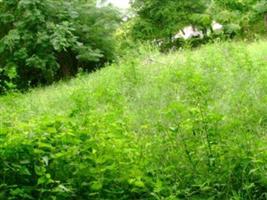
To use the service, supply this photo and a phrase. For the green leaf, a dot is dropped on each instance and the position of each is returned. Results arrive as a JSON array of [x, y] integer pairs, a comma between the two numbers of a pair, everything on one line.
[[139, 183], [11, 71], [96, 186], [46, 160]]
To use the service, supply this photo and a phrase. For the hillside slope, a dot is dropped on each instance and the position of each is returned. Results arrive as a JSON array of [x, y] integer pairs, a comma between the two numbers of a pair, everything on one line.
[[187, 125]]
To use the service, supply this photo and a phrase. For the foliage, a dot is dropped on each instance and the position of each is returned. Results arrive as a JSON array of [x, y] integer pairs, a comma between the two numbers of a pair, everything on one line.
[[188, 125], [124, 37], [158, 19], [44, 40], [240, 17]]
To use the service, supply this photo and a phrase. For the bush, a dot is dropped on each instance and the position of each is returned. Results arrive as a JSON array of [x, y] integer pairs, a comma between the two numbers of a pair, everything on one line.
[[42, 40], [187, 125]]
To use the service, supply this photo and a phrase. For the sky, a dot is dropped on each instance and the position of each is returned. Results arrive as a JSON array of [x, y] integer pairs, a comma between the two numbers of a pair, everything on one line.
[[120, 3]]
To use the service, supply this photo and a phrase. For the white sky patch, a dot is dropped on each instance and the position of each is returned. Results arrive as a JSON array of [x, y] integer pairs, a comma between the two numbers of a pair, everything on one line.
[[121, 3], [124, 4]]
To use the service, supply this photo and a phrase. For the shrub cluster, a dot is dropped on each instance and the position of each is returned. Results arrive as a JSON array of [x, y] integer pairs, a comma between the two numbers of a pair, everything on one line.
[[182, 126]]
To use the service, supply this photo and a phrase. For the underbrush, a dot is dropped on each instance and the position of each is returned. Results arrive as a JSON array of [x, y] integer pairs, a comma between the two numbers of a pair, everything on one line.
[[187, 125]]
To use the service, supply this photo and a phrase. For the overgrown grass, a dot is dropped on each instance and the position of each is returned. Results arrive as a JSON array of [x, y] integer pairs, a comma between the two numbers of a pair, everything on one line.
[[187, 125]]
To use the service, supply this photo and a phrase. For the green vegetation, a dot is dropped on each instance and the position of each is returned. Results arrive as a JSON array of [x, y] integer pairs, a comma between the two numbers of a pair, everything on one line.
[[159, 20], [163, 19], [240, 18], [45, 40], [187, 125]]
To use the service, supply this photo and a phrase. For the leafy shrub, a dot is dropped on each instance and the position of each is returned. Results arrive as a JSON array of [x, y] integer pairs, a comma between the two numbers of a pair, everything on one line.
[[187, 125]]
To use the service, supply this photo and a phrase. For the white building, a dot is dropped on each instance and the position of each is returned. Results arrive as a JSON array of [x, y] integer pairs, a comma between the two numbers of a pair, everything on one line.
[[189, 32]]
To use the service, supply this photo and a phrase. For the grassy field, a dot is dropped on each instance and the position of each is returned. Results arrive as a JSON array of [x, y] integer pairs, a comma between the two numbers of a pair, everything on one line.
[[187, 125]]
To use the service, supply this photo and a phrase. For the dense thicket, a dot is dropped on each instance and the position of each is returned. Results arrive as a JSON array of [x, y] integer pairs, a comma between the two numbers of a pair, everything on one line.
[[186, 126], [44, 40]]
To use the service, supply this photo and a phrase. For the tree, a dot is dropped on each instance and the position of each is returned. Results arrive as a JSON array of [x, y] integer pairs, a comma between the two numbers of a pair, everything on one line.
[[239, 17], [44, 40], [260, 11], [157, 19]]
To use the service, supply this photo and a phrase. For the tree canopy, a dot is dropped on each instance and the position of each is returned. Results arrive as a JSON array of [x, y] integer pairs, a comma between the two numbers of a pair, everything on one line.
[[161, 19], [156, 19], [44, 40], [239, 16]]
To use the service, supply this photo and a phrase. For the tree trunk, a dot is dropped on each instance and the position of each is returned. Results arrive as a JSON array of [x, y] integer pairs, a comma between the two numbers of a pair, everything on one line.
[[68, 64]]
